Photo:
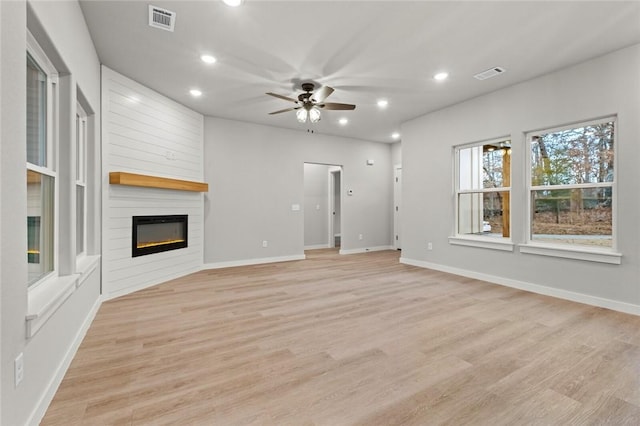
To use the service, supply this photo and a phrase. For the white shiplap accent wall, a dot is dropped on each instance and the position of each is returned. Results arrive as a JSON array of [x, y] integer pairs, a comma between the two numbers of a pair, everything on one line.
[[147, 133]]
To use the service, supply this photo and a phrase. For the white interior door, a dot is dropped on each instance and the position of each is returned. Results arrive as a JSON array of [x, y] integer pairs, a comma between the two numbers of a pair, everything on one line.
[[397, 208]]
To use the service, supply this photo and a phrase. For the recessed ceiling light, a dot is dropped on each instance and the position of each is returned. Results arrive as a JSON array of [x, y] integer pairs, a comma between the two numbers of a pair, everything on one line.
[[441, 76], [395, 135], [233, 3], [383, 103], [208, 59], [343, 121], [195, 92]]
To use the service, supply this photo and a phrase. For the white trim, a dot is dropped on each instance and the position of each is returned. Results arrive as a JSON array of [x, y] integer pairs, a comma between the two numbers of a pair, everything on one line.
[[317, 246], [39, 55], [457, 191], [249, 262], [44, 300], [85, 267], [47, 396], [396, 238], [572, 252], [483, 242], [534, 288], [366, 249], [566, 249]]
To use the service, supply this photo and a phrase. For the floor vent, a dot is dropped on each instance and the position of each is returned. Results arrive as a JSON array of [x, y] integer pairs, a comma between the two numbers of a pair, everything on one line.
[[161, 18], [492, 72]]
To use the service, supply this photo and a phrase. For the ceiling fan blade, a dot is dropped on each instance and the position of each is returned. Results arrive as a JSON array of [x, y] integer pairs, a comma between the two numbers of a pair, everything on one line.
[[322, 93], [336, 106], [282, 97], [284, 110]]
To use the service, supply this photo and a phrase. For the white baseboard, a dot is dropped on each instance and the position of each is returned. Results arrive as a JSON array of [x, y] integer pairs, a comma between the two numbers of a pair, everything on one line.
[[365, 249], [46, 398], [316, 247], [248, 262], [534, 288]]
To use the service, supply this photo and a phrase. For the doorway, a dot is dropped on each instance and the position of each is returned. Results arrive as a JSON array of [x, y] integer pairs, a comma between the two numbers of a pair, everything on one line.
[[322, 206], [335, 235]]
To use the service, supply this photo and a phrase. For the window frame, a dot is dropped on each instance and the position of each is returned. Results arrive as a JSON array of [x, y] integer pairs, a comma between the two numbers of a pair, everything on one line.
[[566, 250], [49, 169], [81, 174], [473, 240]]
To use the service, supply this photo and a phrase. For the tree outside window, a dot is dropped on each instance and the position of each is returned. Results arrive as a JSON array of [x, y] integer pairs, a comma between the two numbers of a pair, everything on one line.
[[572, 184]]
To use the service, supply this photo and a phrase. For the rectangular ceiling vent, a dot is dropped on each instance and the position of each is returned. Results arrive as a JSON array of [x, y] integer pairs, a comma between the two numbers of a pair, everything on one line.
[[161, 18], [492, 72]]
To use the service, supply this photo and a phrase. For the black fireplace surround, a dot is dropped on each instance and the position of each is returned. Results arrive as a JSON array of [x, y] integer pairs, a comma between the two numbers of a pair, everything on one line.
[[155, 234]]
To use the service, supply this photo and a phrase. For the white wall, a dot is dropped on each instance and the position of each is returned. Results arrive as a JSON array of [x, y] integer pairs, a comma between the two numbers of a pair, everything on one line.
[[316, 205], [256, 173], [597, 88], [60, 28], [396, 153], [144, 132]]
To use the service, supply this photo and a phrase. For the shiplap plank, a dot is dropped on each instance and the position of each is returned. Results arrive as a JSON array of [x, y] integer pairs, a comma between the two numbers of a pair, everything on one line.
[[140, 127]]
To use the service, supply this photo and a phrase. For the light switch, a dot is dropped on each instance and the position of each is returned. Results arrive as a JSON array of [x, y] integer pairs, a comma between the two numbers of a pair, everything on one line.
[[295, 207]]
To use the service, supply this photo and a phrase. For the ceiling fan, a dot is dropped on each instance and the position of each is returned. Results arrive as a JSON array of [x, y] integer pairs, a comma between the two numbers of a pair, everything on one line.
[[310, 102]]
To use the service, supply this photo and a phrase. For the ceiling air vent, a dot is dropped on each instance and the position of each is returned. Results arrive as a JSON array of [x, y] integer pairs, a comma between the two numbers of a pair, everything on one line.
[[491, 72], [161, 18]]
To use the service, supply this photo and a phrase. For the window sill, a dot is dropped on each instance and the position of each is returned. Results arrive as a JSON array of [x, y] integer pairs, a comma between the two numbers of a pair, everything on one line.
[[482, 242], [577, 253], [85, 265], [45, 299]]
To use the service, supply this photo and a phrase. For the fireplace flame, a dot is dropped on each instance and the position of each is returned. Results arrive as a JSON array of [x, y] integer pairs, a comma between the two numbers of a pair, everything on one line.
[[158, 243]]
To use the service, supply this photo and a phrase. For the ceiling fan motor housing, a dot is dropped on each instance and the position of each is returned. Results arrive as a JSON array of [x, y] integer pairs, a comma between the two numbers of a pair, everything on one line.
[[308, 87]]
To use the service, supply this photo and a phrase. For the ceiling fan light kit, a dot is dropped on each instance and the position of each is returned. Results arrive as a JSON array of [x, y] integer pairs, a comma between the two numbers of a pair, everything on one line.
[[309, 103]]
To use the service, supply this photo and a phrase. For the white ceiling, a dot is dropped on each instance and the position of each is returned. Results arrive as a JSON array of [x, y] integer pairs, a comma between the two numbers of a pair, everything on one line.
[[366, 50]]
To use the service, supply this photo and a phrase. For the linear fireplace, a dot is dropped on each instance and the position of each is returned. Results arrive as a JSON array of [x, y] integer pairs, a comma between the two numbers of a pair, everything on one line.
[[155, 234]]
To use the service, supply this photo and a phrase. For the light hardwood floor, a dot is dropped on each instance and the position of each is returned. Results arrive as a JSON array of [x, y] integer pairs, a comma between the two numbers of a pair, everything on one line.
[[350, 340]]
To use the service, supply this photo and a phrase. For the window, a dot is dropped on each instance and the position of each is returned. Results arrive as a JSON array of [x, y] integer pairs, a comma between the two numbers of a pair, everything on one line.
[[40, 173], [81, 179], [483, 180], [572, 184]]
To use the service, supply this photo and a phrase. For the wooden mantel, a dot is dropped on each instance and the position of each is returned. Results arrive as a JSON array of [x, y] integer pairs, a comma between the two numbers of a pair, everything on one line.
[[133, 179]]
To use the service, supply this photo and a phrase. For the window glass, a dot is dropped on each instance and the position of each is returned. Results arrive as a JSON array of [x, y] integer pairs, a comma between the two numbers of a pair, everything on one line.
[[573, 156], [483, 179], [36, 114], [40, 216], [80, 219], [572, 185]]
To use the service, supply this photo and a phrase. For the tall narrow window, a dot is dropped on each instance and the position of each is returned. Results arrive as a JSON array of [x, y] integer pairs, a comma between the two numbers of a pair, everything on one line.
[[483, 187], [81, 179], [40, 173], [572, 184]]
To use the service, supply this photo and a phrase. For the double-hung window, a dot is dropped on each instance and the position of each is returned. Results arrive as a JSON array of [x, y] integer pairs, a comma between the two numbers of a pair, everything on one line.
[[572, 185], [81, 181], [482, 190], [41, 161]]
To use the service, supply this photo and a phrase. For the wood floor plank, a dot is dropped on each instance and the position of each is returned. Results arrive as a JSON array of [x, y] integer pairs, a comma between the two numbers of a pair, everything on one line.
[[349, 340]]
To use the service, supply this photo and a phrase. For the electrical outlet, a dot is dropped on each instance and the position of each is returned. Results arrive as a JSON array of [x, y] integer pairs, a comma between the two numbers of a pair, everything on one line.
[[265, 243], [360, 236], [18, 369], [429, 246]]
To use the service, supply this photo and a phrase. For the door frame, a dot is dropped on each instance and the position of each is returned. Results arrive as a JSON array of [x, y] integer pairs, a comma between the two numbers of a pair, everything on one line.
[[397, 206], [333, 171]]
